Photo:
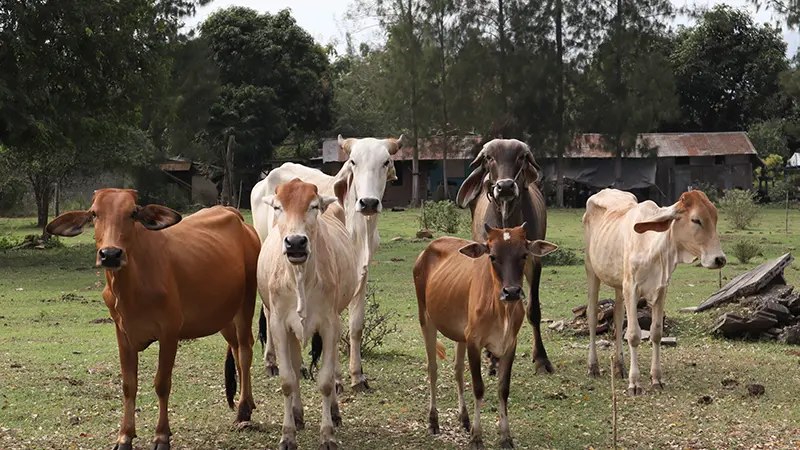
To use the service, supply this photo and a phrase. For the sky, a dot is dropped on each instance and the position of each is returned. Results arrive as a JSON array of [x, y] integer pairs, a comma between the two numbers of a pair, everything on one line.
[[327, 21]]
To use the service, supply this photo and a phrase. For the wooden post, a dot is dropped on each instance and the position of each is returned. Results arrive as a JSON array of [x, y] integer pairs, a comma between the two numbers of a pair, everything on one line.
[[720, 278], [613, 402], [788, 189]]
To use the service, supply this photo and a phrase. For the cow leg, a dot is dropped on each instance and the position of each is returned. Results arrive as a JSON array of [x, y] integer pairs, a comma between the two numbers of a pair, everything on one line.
[[129, 366], [593, 287], [271, 363], [337, 387], [619, 313], [337, 378], [656, 331], [288, 383], [429, 335], [634, 337], [168, 347], [476, 435], [458, 366], [325, 382], [296, 355], [542, 362], [358, 382], [503, 389], [244, 335]]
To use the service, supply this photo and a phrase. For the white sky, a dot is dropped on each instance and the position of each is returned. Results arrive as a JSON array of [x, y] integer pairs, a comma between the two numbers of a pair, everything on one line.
[[327, 20]]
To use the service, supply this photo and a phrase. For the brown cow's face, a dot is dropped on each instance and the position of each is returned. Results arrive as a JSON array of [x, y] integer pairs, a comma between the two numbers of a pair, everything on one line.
[[298, 208], [510, 167], [508, 252], [114, 213], [693, 220]]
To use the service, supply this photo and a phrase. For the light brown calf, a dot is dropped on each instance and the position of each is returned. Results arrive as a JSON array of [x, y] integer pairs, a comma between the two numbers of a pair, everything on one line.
[[472, 293], [189, 280]]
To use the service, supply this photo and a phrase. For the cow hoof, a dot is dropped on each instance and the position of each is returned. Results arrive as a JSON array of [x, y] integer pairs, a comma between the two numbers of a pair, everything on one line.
[[619, 371], [304, 372], [299, 422], [594, 370], [272, 370], [125, 446], [635, 391], [336, 417], [492, 370], [507, 443], [245, 412], [160, 446], [476, 444], [465, 423], [339, 388], [657, 385], [543, 364], [330, 445], [361, 386], [287, 445], [433, 423]]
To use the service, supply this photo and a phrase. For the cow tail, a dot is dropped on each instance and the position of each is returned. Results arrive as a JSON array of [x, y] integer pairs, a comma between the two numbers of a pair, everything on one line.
[[230, 377], [440, 350], [262, 327], [316, 352]]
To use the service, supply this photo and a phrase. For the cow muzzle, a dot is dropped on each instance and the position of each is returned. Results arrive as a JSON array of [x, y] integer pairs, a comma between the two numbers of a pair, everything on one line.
[[368, 206], [295, 247], [714, 261], [505, 190], [512, 293], [111, 258]]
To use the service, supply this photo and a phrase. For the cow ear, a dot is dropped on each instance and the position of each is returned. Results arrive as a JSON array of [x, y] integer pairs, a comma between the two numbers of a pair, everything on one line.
[[487, 227], [531, 168], [342, 182], [474, 250], [660, 222], [471, 187], [345, 144], [69, 224], [391, 172], [541, 248], [324, 202], [156, 217], [402, 141]]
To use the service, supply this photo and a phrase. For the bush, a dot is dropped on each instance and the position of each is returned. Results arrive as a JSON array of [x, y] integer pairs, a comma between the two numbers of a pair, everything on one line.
[[746, 249], [562, 257], [8, 242], [710, 189], [442, 216], [378, 324], [740, 208]]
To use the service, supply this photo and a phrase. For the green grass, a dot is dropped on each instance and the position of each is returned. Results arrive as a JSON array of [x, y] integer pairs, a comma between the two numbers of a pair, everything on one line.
[[60, 385]]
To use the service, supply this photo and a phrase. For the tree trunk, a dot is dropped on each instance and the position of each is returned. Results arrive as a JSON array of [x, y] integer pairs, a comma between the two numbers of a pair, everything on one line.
[[58, 198], [619, 94], [445, 121], [560, 147], [415, 185], [42, 187], [618, 168], [501, 28], [227, 178]]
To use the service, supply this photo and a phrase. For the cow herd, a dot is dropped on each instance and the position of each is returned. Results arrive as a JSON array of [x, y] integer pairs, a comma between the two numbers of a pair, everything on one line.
[[308, 255]]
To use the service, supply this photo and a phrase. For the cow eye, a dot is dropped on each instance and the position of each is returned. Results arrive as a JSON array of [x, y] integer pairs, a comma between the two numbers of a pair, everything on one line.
[[492, 258], [353, 163], [314, 206], [386, 164], [697, 221]]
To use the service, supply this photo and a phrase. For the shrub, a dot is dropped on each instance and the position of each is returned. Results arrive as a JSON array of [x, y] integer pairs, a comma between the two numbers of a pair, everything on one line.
[[8, 242], [746, 249], [740, 208], [378, 324], [562, 257], [442, 216], [710, 189]]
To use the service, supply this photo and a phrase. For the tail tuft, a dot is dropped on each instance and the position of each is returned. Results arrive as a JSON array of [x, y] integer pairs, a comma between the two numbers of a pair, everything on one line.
[[262, 327], [440, 350], [316, 352], [230, 377]]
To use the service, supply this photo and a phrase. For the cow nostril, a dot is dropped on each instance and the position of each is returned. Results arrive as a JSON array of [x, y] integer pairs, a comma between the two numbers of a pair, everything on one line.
[[296, 241], [369, 203], [110, 253], [720, 261]]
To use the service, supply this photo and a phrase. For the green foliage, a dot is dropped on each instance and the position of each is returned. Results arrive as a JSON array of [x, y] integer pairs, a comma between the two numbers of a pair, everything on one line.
[[746, 249], [739, 207], [8, 242], [778, 191], [562, 257], [378, 325], [442, 216], [708, 188], [769, 138]]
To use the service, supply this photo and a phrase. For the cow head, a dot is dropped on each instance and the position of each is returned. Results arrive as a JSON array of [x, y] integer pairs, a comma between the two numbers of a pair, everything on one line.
[[115, 216], [369, 166], [510, 167], [693, 221], [508, 251], [298, 208]]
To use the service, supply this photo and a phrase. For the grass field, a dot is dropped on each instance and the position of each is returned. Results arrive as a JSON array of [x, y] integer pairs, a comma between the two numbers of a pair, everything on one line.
[[60, 386]]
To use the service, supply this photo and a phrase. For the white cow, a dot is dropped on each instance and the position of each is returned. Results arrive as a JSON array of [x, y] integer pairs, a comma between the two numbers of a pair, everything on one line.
[[359, 186], [634, 248], [307, 275]]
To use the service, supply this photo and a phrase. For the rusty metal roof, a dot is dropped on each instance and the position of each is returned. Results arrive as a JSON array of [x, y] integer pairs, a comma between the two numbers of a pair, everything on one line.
[[671, 145], [461, 147], [176, 165]]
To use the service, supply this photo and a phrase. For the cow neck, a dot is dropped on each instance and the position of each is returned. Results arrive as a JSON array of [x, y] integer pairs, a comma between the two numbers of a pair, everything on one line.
[[670, 253], [509, 214], [127, 279], [361, 229], [499, 309]]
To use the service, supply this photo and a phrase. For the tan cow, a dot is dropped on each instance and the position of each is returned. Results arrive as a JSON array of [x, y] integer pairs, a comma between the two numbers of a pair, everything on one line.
[[634, 248], [307, 276], [188, 280], [476, 301]]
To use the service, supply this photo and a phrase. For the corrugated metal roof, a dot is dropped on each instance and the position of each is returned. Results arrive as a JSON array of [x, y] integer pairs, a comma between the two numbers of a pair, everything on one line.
[[176, 165], [671, 145], [462, 147]]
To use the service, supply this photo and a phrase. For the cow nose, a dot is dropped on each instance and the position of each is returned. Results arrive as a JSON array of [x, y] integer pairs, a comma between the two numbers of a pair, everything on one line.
[[296, 241], [511, 293], [505, 188], [110, 256], [720, 261], [368, 205]]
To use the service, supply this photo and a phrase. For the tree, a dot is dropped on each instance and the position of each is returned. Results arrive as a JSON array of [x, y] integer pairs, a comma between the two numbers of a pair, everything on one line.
[[769, 138], [727, 71], [74, 76]]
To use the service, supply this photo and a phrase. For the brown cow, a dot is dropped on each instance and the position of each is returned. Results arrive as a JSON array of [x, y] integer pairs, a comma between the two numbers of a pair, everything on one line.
[[476, 302], [501, 191], [190, 280]]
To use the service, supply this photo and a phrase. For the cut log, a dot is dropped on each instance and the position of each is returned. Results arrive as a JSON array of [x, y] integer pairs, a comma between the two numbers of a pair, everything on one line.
[[729, 325], [748, 283], [790, 335], [579, 311], [669, 341], [606, 314], [781, 313], [760, 322]]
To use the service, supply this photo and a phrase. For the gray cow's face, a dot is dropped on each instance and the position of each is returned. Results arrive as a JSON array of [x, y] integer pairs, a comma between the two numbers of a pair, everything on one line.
[[505, 167]]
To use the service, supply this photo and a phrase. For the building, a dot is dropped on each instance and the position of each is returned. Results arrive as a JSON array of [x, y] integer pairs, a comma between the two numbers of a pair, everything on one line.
[[186, 180]]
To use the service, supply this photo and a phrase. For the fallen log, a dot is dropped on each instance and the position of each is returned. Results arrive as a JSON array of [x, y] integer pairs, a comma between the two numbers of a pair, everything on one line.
[[749, 282]]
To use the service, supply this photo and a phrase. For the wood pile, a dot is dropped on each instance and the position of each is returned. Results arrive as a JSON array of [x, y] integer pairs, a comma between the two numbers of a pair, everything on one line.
[[605, 317], [769, 309]]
